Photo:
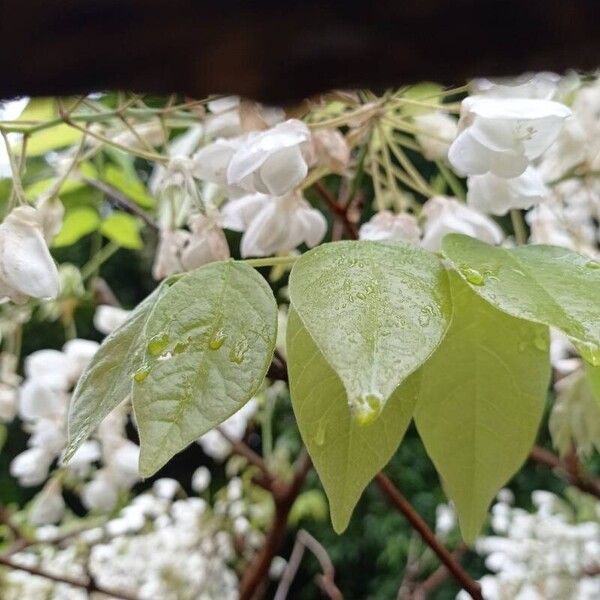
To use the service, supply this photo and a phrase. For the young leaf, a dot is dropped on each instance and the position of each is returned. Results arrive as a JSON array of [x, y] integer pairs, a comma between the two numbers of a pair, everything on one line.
[[593, 376], [123, 230], [107, 381], [345, 453], [544, 284], [210, 342], [78, 222], [481, 401], [375, 310]]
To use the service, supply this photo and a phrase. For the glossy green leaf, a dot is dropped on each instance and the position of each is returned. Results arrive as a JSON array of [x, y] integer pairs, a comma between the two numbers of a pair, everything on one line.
[[107, 381], [210, 342], [128, 184], [345, 453], [376, 311], [481, 401], [593, 375], [123, 230], [78, 222], [544, 284]]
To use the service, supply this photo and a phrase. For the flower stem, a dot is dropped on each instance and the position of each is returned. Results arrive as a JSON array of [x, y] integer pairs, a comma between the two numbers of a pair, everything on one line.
[[519, 228]]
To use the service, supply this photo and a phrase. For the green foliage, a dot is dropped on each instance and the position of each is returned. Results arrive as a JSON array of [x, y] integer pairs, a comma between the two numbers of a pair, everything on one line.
[[544, 284], [593, 375], [78, 222], [108, 379], [126, 181], [375, 311], [345, 452], [203, 359], [481, 401], [123, 230]]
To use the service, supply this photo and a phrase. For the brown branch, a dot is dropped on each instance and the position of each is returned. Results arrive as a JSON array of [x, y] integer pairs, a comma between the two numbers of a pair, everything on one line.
[[336, 209], [284, 495], [567, 471], [88, 585], [465, 581], [438, 577], [118, 198], [325, 580]]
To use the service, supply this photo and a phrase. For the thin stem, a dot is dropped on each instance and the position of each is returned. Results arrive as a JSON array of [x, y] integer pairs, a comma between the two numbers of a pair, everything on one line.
[[519, 228], [338, 211], [271, 261], [465, 581], [98, 260], [451, 179]]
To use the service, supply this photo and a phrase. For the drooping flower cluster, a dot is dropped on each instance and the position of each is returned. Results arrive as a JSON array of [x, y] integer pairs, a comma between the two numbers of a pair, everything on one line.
[[548, 553]]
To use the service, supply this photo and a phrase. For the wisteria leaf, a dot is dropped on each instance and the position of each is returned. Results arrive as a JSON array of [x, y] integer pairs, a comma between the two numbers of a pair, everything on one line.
[[345, 453], [481, 401], [545, 284], [107, 381], [375, 310], [210, 342]]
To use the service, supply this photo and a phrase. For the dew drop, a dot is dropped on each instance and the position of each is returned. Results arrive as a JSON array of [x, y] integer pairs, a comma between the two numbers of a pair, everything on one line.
[[158, 344], [368, 408], [238, 352], [541, 342], [141, 374], [320, 435], [473, 276], [217, 340], [592, 264]]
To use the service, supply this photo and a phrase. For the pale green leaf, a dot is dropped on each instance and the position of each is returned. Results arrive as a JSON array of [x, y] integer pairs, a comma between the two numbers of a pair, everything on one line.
[[107, 381], [544, 284], [593, 375], [71, 184], [78, 222], [376, 310], [345, 453], [210, 342], [123, 230], [481, 401], [128, 184]]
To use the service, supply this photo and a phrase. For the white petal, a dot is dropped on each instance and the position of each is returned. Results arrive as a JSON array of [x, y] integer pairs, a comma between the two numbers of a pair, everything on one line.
[[211, 162], [385, 225], [283, 171], [108, 318], [237, 214], [467, 156]]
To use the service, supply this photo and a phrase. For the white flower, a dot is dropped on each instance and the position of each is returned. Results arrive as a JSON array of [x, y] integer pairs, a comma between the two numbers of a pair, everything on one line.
[[503, 136], [50, 367], [385, 225], [79, 353], [108, 318], [201, 479], [447, 215], [26, 267], [542, 86], [211, 162], [496, 195], [278, 225], [165, 488], [547, 228], [101, 493], [48, 506], [31, 466], [206, 244], [38, 400], [330, 150], [167, 260], [436, 131], [273, 161], [50, 214], [9, 111]]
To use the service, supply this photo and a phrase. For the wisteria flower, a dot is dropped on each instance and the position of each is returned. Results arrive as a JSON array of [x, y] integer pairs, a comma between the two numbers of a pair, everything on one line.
[[447, 215], [497, 195], [503, 136], [435, 132], [385, 225]]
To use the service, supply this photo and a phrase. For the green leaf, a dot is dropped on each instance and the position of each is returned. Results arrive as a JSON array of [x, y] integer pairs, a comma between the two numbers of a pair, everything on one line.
[[210, 342], [52, 138], [593, 375], [123, 230], [544, 284], [77, 223], [376, 311], [107, 381], [481, 401], [345, 453], [37, 188], [128, 184]]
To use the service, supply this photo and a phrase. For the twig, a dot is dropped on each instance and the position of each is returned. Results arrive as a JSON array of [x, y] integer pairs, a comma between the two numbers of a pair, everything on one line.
[[573, 476], [325, 580], [284, 496], [89, 585], [465, 581], [338, 211], [120, 199], [438, 577]]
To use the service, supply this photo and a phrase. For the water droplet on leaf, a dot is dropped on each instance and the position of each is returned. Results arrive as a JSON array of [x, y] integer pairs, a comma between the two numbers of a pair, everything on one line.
[[158, 344], [238, 352], [592, 264], [217, 340], [367, 409], [473, 276], [141, 374]]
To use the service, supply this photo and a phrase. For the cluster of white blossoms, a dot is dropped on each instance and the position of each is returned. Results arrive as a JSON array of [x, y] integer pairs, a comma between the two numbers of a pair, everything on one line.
[[162, 545], [552, 552]]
